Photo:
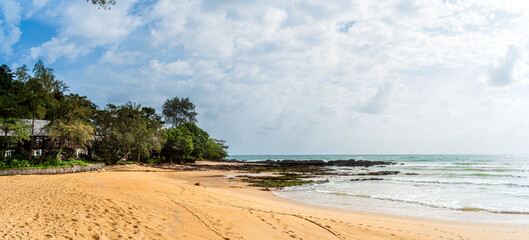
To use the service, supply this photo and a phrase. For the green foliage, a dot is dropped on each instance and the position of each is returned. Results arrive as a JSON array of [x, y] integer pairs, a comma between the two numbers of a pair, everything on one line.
[[71, 124], [6, 79], [86, 158], [13, 102], [199, 139], [69, 135], [56, 162], [40, 95], [188, 142], [19, 132], [179, 111], [105, 4], [71, 108], [179, 142], [127, 131], [47, 163], [215, 149], [42, 91], [18, 164], [154, 161]]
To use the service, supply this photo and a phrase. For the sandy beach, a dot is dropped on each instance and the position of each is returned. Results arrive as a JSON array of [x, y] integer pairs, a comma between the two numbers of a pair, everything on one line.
[[148, 203]]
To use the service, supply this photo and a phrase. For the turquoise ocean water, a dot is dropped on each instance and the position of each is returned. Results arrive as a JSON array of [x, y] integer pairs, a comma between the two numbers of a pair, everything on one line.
[[482, 188]]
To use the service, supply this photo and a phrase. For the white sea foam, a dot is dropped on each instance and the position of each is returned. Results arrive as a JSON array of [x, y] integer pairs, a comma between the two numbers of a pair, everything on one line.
[[457, 187]]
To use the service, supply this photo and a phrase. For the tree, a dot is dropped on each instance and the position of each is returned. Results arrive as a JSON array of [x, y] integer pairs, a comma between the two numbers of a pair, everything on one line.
[[12, 108], [14, 131], [178, 111], [127, 131], [67, 136], [179, 143], [41, 92], [105, 4], [71, 125], [6, 79], [215, 149], [200, 138], [188, 142]]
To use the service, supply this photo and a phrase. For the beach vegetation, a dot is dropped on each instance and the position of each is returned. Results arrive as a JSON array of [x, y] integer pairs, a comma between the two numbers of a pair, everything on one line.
[[40, 119], [46, 163], [188, 143], [178, 111], [127, 132], [20, 132], [179, 143]]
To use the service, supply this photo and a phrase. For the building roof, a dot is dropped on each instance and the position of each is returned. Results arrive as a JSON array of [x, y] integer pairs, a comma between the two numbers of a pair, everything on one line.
[[39, 127]]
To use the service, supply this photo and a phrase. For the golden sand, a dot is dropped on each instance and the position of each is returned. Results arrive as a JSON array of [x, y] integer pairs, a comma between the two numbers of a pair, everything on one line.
[[143, 203]]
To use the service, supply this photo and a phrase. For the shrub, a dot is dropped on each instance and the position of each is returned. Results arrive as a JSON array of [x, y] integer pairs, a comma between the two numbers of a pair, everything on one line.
[[15, 163]]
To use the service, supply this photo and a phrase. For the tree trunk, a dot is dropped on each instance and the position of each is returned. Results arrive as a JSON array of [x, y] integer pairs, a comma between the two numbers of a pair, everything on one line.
[[125, 156], [45, 151], [170, 156], [32, 136], [183, 159]]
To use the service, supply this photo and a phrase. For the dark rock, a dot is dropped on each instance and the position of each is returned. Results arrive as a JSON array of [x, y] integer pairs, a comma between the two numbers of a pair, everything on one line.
[[337, 163], [366, 179], [379, 173], [411, 174]]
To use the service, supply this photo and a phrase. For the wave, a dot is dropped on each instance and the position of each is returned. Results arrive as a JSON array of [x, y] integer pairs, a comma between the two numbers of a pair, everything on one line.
[[460, 183], [472, 209], [463, 209], [458, 175], [466, 169]]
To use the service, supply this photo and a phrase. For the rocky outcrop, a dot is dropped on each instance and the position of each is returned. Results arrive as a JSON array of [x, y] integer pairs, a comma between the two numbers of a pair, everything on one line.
[[379, 173], [366, 179], [320, 163]]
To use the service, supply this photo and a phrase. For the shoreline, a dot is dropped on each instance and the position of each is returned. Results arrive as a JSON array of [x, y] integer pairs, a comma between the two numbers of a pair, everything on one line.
[[478, 214], [141, 202]]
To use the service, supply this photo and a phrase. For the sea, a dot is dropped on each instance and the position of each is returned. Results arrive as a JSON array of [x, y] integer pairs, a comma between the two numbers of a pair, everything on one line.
[[470, 188]]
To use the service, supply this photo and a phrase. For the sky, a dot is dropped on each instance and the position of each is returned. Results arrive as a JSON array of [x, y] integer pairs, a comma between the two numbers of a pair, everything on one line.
[[298, 77]]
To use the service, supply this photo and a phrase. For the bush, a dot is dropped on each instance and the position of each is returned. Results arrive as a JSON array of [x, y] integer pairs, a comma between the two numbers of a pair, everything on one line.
[[15, 163], [77, 162], [154, 161], [20, 163], [51, 162], [46, 163], [55, 162], [86, 157]]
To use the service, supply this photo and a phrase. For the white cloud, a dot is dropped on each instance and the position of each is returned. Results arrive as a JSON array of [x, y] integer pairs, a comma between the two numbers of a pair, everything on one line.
[[379, 101], [170, 18], [171, 68], [265, 74], [122, 57], [56, 48], [9, 30], [86, 27], [500, 101], [504, 73]]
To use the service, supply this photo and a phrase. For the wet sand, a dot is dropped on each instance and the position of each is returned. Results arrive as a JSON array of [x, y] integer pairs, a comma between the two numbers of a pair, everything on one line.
[[146, 203]]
